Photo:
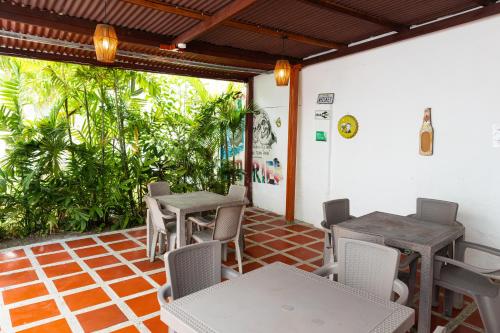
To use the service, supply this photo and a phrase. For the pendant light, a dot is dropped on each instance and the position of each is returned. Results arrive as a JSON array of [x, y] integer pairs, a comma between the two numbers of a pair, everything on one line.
[[282, 69], [105, 41]]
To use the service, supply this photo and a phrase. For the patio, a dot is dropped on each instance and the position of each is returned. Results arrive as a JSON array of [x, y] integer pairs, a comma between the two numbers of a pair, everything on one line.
[[105, 283]]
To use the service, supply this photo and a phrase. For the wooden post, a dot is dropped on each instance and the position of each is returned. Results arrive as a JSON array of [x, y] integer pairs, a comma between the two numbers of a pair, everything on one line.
[[248, 142], [292, 143]]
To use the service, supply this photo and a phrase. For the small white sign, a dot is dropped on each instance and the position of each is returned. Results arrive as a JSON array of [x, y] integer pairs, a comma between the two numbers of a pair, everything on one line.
[[496, 135], [326, 98], [322, 114]]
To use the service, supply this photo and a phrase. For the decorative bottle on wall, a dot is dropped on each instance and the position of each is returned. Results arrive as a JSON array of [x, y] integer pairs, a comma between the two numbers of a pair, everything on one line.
[[426, 134]]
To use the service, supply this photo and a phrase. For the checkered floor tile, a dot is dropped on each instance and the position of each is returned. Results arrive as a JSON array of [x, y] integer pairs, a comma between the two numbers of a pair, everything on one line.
[[105, 283]]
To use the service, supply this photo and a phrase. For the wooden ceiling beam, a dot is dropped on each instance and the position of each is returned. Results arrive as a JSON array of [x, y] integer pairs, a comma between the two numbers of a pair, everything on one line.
[[449, 22], [221, 54], [213, 21], [276, 33], [338, 8]]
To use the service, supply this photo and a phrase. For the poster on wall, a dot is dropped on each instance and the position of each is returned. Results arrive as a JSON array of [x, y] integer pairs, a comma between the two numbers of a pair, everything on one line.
[[266, 165], [236, 145]]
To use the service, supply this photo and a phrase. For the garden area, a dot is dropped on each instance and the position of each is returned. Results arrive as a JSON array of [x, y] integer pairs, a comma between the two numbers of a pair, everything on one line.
[[81, 143]]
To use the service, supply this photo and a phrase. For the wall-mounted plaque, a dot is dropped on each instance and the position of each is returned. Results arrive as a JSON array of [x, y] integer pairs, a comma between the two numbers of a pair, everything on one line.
[[321, 114], [326, 98]]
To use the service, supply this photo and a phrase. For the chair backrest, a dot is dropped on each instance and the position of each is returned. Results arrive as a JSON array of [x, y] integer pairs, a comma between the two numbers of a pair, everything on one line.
[[336, 211], [237, 192], [154, 213], [193, 268], [228, 222], [159, 188], [437, 211], [340, 232], [367, 266]]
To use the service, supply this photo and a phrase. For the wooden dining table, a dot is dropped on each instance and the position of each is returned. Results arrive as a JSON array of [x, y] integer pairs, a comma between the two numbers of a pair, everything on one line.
[[420, 236], [282, 298], [190, 203]]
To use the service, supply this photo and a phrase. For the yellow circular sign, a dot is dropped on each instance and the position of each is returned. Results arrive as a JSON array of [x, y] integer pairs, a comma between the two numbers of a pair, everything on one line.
[[348, 126]]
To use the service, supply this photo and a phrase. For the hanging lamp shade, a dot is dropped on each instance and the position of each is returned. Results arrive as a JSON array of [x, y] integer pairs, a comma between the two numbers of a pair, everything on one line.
[[105, 42], [282, 72]]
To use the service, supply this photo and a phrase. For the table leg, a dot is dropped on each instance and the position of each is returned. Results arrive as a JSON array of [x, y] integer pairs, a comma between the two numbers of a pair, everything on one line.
[[181, 233], [458, 299], [426, 283]]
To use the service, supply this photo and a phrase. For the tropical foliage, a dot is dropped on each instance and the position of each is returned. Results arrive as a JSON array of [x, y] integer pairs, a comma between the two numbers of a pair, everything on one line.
[[83, 142]]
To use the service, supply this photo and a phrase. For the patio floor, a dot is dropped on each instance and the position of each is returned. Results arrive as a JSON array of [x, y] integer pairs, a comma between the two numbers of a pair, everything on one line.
[[105, 283]]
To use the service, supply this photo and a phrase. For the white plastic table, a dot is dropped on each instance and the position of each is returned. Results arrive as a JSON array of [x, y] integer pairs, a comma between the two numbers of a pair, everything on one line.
[[188, 203], [282, 298]]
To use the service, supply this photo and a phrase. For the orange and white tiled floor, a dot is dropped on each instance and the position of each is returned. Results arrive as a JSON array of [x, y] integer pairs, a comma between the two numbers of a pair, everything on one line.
[[105, 283]]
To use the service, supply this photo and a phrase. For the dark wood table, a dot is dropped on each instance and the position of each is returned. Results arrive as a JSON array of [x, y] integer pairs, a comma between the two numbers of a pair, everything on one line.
[[423, 237]]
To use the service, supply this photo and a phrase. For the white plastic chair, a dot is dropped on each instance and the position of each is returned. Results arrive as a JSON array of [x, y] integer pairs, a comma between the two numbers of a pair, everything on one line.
[[367, 266], [334, 212], [226, 228], [159, 188], [440, 329], [238, 192], [163, 232]]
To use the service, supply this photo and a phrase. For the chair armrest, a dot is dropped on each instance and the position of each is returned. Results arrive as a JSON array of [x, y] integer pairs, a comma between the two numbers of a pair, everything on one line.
[[483, 248], [228, 273], [327, 270], [402, 290], [487, 272], [164, 293], [201, 221]]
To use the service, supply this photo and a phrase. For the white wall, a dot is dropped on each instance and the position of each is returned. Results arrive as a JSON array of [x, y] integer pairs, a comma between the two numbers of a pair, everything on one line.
[[274, 100], [456, 72]]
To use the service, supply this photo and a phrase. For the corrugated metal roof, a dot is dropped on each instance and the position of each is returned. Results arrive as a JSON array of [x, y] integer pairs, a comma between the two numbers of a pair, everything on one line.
[[292, 16]]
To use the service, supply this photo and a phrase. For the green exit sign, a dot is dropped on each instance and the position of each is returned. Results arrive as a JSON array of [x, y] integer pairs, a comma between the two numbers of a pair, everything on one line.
[[320, 136]]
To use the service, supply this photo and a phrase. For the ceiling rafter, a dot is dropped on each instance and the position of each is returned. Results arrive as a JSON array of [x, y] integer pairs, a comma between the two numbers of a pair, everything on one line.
[[338, 8], [268, 31], [220, 54], [213, 21]]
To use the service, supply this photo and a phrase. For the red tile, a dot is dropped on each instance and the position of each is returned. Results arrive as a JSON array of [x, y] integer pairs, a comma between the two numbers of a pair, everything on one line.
[[277, 223], [464, 329], [306, 268], [260, 227], [303, 253], [14, 265], [13, 254], [53, 258], [319, 234], [128, 329], [138, 233], [261, 218], [101, 318], [74, 244], [317, 246], [257, 251], [251, 266], [475, 319], [160, 278], [144, 305], [131, 286], [73, 282], [231, 259], [33, 312], [143, 240], [23, 293], [249, 213], [155, 325], [86, 298], [134, 255], [317, 263], [146, 265], [90, 251], [281, 258], [279, 244], [62, 269], [42, 249], [125, 245], [116, 272], [102, 261], [437, 321], [17, 278], [301, 239], [112, 237], [298, 228], [259, 237], [59, 326], [279, 232]]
